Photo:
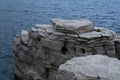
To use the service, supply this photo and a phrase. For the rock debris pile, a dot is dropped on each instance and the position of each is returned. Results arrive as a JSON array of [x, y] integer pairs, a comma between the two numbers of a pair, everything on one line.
[[40, 51]]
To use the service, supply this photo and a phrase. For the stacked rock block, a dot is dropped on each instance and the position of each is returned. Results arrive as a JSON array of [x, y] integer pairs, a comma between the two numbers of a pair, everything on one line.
[[41, 50]]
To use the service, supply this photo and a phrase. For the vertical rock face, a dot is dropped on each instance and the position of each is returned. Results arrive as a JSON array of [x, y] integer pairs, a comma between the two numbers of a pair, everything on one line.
[[95, 67], [41, 50]]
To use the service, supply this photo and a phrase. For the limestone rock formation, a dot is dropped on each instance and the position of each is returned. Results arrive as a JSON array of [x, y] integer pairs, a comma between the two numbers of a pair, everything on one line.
[[93, 67], [75, 26], [41, 50]]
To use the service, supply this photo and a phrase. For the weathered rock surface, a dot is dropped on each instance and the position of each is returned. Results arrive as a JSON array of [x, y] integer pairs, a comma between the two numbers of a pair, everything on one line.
[[42, 49], [75, 26], [93, 67]]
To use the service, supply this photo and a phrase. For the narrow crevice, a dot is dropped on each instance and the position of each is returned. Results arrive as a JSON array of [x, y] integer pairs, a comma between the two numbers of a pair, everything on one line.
[[104, 49], [83, 51], [17, 77], [117, 49], [39, 39], [64, 49], [94, 51], [98, 78], [47, 73]]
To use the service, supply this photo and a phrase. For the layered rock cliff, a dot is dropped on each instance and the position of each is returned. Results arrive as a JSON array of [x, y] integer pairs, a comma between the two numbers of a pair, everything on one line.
[[40, 51]]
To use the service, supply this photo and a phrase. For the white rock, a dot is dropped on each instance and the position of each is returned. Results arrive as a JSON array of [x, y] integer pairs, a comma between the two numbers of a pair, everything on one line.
[[90, 35], [98, 33], [24, 36], [105, 32], [96, 67], [48, 28], [38, 32]]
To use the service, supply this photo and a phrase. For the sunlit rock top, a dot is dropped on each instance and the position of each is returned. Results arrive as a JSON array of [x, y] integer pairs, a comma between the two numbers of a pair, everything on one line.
[[80, 26]]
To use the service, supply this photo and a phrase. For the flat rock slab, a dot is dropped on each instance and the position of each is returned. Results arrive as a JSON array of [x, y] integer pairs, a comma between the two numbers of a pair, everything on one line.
[[98, 33], [82, 25], [94, 67], [48, 28]]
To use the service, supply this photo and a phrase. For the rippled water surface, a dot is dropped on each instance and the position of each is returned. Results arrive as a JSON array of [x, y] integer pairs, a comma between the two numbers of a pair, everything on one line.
[[16, 15]]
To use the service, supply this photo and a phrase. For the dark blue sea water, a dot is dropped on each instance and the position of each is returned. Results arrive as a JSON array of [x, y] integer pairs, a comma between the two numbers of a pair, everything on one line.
[[16, 15]]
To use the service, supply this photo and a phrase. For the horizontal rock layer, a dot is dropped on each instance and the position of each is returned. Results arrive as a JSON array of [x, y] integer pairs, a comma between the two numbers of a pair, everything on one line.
[[41, 50]]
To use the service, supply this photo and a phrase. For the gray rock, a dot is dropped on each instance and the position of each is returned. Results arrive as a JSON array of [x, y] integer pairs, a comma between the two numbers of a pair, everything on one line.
[[39, 52], [52, 74], [117, 49], [17, 40], [106, 33], [38, 32], [55, 45], [32, 74], [96, 67], [100, 50], [82, 25], [90, 35], [110, 50], [98, 33], [25, 58]]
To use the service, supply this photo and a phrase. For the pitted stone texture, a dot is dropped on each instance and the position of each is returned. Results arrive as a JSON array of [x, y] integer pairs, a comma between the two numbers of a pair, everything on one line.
[[94, 67], [80, 26]]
